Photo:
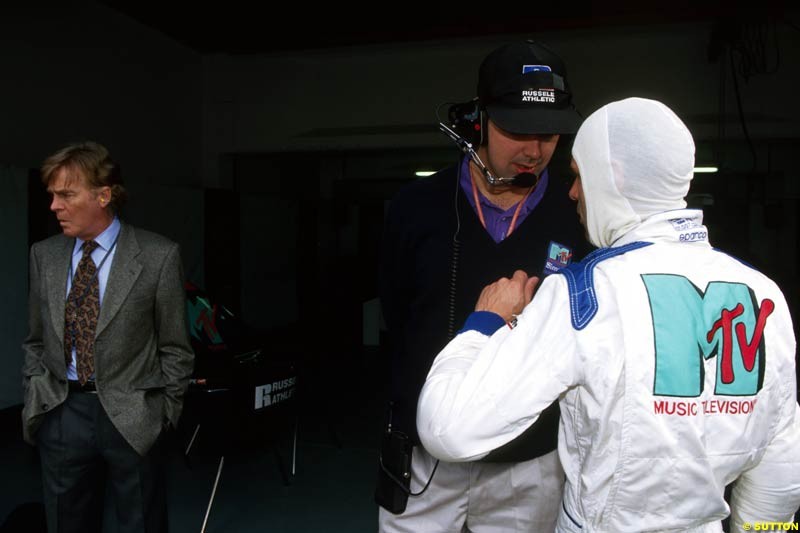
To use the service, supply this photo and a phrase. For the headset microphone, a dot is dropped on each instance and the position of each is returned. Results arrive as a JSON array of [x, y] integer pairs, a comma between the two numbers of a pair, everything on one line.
[[524, 179]]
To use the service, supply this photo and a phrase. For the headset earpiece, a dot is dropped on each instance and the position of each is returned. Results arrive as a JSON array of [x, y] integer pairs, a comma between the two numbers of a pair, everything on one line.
[[469, 121]]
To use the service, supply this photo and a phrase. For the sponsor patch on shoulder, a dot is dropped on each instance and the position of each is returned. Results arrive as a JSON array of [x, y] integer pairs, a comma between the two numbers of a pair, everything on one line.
[[558, 256]]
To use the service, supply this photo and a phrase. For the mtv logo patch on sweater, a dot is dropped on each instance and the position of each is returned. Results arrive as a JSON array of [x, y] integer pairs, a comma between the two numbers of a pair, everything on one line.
[[558, 256]]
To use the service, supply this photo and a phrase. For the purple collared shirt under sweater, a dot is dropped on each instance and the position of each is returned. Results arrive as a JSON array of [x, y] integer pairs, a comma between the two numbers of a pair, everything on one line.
[[497, 219]]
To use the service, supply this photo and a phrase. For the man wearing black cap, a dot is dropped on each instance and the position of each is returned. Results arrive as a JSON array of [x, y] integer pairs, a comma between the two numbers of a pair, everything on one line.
[[505, 206]]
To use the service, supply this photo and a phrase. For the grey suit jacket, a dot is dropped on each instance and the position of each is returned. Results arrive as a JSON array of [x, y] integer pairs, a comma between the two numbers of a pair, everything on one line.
[[143, 359]]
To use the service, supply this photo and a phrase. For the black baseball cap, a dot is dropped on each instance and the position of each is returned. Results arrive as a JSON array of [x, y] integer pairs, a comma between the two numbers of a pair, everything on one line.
[[523, 87]]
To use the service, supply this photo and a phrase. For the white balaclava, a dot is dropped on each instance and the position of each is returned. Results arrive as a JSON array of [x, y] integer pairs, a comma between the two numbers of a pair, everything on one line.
[[636, 159]]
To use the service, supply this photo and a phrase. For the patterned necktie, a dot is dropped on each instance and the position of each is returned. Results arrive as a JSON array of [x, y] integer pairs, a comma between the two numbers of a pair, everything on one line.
[[82, 310]]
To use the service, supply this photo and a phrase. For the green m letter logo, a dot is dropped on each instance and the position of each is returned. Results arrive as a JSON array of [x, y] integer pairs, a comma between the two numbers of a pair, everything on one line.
[[690, 326]]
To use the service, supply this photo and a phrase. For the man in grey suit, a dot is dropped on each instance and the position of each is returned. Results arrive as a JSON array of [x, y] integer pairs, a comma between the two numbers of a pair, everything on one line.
[[107, 357]]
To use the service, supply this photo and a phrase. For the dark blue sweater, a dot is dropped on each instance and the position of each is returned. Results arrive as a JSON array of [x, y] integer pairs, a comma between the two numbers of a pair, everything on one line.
[[416, 276]]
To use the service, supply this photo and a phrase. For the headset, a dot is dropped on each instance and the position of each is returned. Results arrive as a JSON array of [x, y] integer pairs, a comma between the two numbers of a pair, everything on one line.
[[467, 129], [468, 120]]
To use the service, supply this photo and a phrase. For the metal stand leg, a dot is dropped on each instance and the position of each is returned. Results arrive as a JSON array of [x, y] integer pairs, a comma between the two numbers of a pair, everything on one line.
[[191, 441], [213, 493], [294, 446], [276, 448], [186, 459]]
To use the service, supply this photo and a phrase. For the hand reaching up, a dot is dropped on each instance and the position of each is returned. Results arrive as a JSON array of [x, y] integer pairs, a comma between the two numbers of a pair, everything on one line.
[[507, 297]]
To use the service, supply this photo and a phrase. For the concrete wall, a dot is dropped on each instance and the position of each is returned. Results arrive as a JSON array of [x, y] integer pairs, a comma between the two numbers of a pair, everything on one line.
[[383, 99], [170, 116], [385, 96]]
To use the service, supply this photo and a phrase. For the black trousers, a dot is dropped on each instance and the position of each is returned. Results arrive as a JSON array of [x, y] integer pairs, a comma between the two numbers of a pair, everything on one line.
[[83, 455]]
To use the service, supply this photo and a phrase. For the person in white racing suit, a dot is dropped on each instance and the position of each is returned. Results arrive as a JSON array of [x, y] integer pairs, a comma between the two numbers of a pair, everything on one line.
[[674, 363]]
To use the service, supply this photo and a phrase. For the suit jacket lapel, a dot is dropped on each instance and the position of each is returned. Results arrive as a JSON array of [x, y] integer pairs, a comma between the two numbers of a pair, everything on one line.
[[56, 267], [125, 269]]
